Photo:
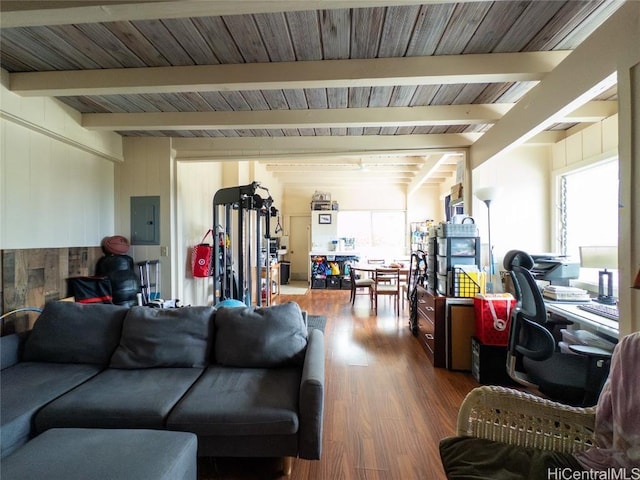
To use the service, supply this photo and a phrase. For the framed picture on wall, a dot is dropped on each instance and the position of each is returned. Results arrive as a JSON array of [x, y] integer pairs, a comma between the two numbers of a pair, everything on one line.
[[324, 218]]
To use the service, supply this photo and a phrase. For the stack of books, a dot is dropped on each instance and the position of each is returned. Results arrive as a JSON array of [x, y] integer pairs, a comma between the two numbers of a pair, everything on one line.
[[565, 294]]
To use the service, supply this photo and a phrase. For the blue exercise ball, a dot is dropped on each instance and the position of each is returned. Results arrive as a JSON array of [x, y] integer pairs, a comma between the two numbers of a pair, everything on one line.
[[230, 303]]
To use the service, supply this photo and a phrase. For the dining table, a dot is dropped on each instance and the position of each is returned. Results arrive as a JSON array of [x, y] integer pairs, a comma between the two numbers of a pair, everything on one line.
[[372, 268], [403, 270]]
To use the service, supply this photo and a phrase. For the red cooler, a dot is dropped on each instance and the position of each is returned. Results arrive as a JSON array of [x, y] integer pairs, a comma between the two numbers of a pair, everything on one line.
[[493, 317]]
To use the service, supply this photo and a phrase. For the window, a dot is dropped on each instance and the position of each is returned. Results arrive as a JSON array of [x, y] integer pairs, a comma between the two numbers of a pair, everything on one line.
[[377, 234], [589, 211]]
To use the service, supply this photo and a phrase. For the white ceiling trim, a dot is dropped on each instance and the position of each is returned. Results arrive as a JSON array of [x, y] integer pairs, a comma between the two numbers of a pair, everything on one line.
[[431, 70]]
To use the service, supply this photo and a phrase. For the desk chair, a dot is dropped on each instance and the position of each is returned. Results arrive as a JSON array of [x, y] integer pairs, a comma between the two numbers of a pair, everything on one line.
[[359, 283], [387, 283], [533, 359]]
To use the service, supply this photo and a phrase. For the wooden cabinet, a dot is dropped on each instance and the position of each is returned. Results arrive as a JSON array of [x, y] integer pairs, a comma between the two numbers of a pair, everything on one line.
[[445, 327], [431, 325]]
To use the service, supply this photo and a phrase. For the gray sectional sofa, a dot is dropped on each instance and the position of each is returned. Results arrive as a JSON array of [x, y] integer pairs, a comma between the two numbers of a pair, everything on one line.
[[249, 382]]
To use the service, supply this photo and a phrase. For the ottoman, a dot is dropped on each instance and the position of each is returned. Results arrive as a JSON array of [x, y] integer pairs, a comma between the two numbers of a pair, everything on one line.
[[114, 454]]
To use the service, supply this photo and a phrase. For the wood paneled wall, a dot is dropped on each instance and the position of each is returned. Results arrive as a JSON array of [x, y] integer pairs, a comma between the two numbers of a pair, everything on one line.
[[33, 277]]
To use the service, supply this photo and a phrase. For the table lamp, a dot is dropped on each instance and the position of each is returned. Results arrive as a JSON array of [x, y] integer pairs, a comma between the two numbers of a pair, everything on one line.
[[601, 257]]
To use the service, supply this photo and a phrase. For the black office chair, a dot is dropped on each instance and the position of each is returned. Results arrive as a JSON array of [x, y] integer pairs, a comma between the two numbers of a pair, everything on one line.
[[533, 359]]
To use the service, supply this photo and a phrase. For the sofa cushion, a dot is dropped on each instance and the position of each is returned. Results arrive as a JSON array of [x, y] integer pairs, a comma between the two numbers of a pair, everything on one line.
[[69, 332], [28, 386], [266, 337], [119, 399], [240, 401], [153, 337], [11, 349], [108, 454]]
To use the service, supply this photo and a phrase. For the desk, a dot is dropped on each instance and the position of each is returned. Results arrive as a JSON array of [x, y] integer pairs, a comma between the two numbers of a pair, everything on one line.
[[570, 311]]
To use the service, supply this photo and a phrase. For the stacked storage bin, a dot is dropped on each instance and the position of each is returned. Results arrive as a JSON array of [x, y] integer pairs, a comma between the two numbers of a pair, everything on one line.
[[457, 244], [432, 252]]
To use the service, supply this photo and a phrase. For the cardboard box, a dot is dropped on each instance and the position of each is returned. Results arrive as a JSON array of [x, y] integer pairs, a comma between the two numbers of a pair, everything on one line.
[[456, 191]]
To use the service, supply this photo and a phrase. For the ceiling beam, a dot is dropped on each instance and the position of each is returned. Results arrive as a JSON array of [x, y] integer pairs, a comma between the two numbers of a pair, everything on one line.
[[591, 112], [430, 70], [257, 148], [348, 169], [428, 168], [21, 13], [315, 118], [435, 115]]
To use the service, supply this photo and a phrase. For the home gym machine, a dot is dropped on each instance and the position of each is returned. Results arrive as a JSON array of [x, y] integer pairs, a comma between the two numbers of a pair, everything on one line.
[[233, 271]]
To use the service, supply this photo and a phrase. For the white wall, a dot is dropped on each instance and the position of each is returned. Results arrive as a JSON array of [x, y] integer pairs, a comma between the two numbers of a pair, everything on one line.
[[425, 204], [520, 214], [323, 234], [149, 170], [56, 178], [629, 218], [197, 183]]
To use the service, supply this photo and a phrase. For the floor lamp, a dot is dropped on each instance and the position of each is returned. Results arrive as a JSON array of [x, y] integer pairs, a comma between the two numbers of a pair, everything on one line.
[[488, 195]]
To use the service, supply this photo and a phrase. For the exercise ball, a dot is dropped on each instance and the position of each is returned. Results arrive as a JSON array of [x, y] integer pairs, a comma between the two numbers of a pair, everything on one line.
[[231, 303], [116, 245]]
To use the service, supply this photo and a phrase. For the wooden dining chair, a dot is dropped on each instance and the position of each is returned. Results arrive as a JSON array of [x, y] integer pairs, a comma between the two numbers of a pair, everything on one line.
[[359, 283], [404, 286], [387, 283], [374, 261]]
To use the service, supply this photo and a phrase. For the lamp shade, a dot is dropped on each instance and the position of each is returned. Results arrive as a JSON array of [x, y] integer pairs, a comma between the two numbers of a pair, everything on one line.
[[487, 194], [599, 257]]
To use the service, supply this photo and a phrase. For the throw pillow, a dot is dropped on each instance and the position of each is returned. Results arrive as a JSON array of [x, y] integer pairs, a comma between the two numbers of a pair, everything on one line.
[[156, 337], [69, 332], [264, 337]]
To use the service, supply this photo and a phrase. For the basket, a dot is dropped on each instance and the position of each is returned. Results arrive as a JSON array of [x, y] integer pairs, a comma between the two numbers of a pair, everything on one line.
[[466, 283], [493, 317], [457, 230]]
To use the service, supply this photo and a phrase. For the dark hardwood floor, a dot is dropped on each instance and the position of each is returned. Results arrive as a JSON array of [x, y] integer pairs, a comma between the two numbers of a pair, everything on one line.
[[386, 407]]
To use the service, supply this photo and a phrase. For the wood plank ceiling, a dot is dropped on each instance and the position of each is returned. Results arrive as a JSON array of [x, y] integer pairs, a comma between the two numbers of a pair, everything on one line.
[[398, 85]]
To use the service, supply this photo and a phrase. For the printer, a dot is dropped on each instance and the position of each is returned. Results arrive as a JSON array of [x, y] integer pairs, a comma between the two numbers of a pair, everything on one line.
[[555, 269]]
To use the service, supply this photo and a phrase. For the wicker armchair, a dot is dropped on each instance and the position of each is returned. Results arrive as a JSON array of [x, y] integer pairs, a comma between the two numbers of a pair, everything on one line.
[[507, 434], [510, 416]]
